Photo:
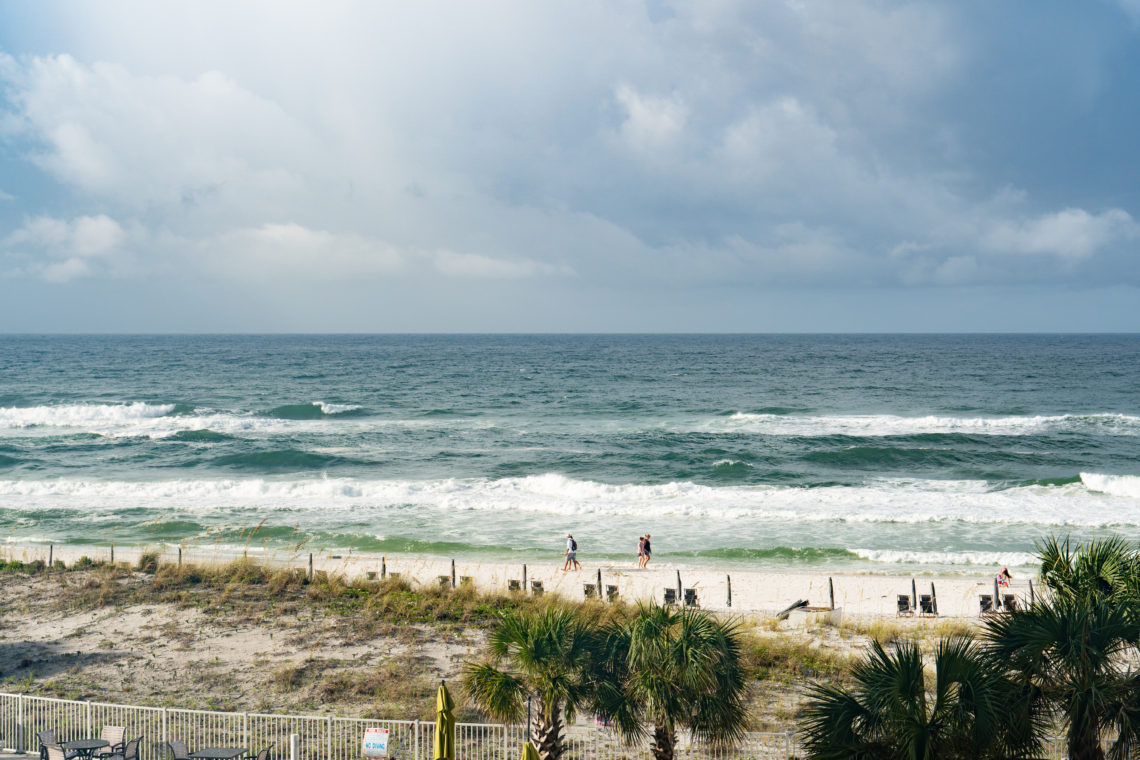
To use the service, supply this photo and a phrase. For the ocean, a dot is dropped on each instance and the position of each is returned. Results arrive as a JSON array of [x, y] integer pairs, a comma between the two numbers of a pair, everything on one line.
[[875, 453]]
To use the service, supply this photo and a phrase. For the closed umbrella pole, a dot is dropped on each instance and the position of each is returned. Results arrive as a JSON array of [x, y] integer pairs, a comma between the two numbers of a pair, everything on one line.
[[444, 744]]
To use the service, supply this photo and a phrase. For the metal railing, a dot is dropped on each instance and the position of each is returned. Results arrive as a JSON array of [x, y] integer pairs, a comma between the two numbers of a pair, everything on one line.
[[312, 737]]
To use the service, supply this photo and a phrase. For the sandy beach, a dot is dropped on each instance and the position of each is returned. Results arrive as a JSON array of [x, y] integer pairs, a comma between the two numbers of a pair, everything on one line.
[[760, 593]]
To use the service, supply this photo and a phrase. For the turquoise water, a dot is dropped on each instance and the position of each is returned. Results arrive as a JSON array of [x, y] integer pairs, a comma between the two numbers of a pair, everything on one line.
[[880, 453]]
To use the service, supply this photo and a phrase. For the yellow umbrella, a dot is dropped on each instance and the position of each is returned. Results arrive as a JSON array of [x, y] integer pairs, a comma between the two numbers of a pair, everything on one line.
[[529, 752], [444, 725]]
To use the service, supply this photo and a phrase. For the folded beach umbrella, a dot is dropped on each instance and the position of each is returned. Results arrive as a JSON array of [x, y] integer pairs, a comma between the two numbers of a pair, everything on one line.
[[444, 725], [529, 752]]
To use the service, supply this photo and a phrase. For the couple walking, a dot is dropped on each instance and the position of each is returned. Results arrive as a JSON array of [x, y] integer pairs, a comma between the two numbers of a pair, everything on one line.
[[644, 551]]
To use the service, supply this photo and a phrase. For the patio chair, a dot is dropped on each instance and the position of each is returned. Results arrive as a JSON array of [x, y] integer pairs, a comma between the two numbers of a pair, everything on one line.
[[263, 754], [904, 608], [114, 736], [178, 750], [47, 739], [130, 751], [53, 752]]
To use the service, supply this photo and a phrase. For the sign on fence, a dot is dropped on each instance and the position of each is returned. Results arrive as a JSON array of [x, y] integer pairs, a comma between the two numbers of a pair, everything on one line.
[[376, 742]]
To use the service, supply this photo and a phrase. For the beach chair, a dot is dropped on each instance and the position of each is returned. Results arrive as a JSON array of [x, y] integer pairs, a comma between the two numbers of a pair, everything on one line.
[[514, 585], [691, 598], [904, 608], [611, 593], [178, 750], [444, 580], [52, 752], [670, 596], [985, 604], [926, 605], [114, 736], [1009, 602], [590, 590], [536, 588], [466, 580]]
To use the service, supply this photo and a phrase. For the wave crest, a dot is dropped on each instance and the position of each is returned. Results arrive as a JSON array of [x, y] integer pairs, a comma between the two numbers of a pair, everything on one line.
[[80, 415]]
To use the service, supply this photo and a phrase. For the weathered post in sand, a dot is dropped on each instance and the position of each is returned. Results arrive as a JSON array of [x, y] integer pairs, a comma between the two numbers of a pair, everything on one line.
[[601, 596], [831, 591], [913, 595], [525, 587], [728, 591], [310, 567], [997, 599], [112, 552], [383, 567], [680, 593], [933, 599], [51, 548], [453, 573], [179, 556], [1032, 596]]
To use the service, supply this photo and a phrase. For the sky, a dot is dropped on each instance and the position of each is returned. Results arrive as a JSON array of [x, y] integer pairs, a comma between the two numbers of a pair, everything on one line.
[[579, 166]]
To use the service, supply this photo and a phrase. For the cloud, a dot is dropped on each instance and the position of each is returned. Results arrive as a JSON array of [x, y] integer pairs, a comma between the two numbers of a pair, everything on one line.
[[478, 266], [59, 250], [275, 251], [1071, 233]]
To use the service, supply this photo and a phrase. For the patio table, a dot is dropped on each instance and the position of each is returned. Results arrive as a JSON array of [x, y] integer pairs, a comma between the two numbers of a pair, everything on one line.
[[85, 747], [219, 753]]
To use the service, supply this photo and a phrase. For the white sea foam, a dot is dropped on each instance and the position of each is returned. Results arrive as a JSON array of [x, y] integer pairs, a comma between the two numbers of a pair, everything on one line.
[[81, 415], [977, 558], [1113, 485], [899, 501], [328, 408], [887, 424]]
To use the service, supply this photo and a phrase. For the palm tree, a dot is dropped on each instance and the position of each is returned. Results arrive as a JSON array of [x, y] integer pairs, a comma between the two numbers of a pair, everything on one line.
[[890, 713], [1073, 653], [541, 657], [672, 669]]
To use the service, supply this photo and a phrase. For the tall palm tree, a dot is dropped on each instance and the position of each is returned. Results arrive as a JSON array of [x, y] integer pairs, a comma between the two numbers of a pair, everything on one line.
[[1074, 652], [541, 657], [892, 713], [671, 669]]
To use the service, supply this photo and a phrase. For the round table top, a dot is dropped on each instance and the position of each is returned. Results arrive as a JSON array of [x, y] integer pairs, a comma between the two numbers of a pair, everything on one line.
[[85, 744]]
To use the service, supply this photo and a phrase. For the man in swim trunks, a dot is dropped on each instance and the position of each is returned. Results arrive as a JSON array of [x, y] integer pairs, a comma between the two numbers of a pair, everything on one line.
[[571, 553], [646, 552]]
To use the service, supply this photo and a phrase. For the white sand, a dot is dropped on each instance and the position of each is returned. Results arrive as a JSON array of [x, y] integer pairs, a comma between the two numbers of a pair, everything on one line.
[[766, 592]]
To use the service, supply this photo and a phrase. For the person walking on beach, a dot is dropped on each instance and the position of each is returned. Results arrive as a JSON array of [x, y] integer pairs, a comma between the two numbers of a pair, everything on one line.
[[640, 552], [646, 552], [571, 554]]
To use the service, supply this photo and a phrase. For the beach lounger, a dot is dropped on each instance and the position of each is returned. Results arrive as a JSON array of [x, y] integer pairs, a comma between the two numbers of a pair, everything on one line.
[[691, 598], [904, 608], [536, 588], [611, 593], [590, 589], [670, 596], [466, 580], [926, 605], [514, 585], [444, 580], [1009, 602], [985, 604]]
